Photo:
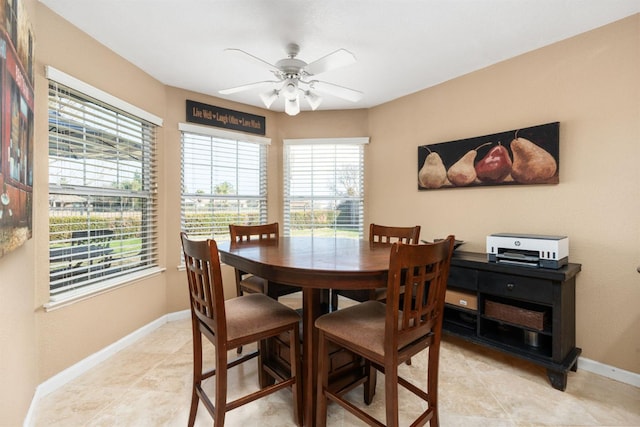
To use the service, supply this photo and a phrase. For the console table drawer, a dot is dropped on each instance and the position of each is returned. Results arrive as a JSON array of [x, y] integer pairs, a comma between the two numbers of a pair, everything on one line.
[[463, 278], [510, 286]]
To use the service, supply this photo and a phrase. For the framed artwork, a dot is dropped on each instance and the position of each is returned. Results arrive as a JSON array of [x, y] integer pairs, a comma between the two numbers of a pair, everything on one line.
[[515, 157], [16, 125]]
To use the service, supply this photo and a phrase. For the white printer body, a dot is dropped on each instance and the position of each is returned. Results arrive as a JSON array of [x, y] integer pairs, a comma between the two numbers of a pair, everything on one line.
[[530, 250]]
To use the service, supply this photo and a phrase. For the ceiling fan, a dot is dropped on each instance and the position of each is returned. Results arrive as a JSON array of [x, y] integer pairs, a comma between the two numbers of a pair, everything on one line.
[[294, 78]]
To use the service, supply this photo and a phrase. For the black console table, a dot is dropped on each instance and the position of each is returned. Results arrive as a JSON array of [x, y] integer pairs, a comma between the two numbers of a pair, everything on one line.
[[543, 296]]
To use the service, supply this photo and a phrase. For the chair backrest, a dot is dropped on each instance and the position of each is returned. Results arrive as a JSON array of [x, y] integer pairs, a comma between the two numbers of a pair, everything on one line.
[[206, 293], [423, 270], [385, 234], [240, 233]]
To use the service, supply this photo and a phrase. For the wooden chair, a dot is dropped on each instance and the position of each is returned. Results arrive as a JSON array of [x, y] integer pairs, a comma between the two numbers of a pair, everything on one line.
[[230, 324], [248, 283], [388, 335], [378, 235]]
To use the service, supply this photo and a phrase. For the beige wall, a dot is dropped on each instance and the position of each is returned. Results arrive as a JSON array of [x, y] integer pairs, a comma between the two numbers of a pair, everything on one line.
[[588, 83], [591, 85], [69, 334]]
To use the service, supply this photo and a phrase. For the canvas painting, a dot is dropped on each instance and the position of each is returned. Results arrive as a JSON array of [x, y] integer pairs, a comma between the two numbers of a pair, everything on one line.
[[16, 125], [515, 157]]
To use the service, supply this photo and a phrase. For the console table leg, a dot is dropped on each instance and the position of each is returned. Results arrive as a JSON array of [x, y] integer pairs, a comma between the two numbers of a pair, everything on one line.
[[558, 379]]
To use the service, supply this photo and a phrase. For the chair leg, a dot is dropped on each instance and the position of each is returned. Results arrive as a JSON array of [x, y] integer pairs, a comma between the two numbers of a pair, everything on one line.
[[194, 407], [432, 382], [391, 394], [323, 381], [221, 387], [334, 300], [264, 379], [296, 372], [197, 375], [239, 293], [370, 383], [434, 420]]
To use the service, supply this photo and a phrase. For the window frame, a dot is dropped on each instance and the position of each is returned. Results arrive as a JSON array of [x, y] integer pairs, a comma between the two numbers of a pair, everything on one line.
[[323, 197], [226, 139], [105, 274]]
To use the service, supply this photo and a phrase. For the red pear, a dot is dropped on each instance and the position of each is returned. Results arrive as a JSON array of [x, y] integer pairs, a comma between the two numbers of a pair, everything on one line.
[[495, 166]]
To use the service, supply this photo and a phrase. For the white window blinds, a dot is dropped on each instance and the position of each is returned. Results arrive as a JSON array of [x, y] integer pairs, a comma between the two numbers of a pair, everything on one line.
[[224, 181], [102, 191], [324, 187]]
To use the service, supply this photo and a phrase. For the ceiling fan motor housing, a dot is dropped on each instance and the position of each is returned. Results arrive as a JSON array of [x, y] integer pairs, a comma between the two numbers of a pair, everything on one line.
[[291, 67]]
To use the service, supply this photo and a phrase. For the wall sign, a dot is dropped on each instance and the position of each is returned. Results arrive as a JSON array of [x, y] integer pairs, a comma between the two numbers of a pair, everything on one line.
[[520, 156], [211, 115]]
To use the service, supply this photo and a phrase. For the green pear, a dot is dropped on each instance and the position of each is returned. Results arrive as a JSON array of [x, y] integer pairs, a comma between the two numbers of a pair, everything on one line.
[[463, 172], [531, 163], [433, 174]]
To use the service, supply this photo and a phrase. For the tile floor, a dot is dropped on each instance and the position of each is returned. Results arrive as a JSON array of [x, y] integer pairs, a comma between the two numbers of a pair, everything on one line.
[[148, 384]]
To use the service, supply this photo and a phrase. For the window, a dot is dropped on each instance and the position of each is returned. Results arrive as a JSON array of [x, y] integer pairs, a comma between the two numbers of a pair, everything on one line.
[[323, 187], [224, 180], [102, 190]]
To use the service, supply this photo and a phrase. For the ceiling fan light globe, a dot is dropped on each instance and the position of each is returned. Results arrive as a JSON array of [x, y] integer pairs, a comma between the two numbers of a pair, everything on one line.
[[290, 90], [313, 100], [292, 106], [269, 98]]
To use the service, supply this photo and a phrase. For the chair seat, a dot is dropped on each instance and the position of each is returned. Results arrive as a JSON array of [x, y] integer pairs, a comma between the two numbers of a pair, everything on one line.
[[254, 313], [380, 294], [361, 324], [254, 284]]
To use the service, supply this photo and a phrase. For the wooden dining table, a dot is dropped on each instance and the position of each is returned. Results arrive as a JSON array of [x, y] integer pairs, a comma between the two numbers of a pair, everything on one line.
[[316, 265]]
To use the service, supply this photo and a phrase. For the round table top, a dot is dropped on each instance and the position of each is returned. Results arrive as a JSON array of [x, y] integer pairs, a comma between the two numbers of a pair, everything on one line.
[[339, 263]]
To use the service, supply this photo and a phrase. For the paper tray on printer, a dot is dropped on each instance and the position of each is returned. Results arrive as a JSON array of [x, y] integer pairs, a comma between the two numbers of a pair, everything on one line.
[[531, 256], [518, 257]]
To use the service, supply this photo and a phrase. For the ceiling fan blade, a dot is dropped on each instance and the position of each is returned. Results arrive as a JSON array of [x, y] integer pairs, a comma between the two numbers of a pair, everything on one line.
[[249, 86], [337, 59], [336, 90], [261, 61]]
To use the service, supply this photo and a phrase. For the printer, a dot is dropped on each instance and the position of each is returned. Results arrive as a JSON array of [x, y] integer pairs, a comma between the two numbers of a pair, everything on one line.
[[530, 250]]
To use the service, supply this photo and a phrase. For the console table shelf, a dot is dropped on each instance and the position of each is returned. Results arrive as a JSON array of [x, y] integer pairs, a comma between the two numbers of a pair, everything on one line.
[[545, 295]]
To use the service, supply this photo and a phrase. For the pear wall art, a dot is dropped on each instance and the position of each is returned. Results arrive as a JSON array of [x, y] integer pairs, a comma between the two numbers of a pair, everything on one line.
[[516, 157]]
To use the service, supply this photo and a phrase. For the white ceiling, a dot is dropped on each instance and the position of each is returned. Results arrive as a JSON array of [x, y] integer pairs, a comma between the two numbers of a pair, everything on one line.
[[401, 46]]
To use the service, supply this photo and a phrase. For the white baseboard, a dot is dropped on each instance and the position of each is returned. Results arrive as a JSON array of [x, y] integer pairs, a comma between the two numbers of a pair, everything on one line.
[[90, 362], [86, 364], [608, 371]]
